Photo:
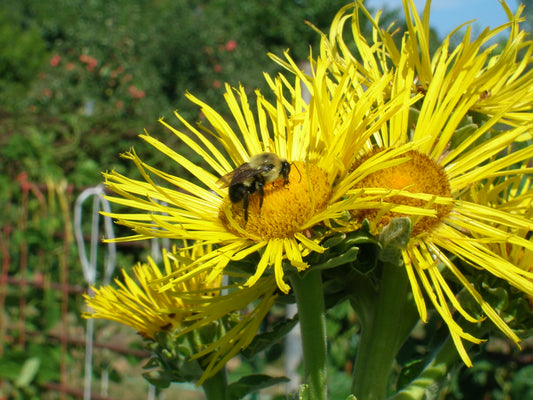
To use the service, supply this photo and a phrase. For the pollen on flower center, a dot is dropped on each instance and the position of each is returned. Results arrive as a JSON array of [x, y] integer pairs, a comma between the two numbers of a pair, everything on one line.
[[420, 174], [286, 206]]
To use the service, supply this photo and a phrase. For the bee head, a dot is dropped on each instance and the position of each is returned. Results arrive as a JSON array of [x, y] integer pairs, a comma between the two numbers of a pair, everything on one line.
[[285, 170]]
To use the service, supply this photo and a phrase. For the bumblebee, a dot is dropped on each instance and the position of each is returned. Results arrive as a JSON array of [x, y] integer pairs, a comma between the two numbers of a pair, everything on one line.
[[252, 177]]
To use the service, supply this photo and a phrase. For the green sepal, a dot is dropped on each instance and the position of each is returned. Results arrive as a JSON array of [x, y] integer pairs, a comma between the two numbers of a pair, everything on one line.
[[334, 240], [246, 266], [354, 259], [463, 132], [348, 256], [161, 379], [211, 332], [264, 340], [252, 383], [414, 113], [358, 249], [171, 361], [369, 249], [410, 371], [368, 257], [394, 238]]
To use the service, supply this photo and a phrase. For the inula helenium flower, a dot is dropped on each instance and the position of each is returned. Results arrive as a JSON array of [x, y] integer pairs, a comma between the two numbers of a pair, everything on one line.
[[191, 305], [451, 152], [137, 302]]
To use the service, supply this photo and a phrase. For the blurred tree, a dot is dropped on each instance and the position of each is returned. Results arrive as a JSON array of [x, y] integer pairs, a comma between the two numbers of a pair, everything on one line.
[[101, 71], [167, 47]]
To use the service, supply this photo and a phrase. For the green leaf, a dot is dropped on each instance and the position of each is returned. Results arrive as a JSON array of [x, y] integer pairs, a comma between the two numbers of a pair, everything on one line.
[[522, 387], [359, 238], [409, 372], [394, 238], [28, 372], [463, 133], [245, 266], [160, 379], [9, 369], [267, 339], [334, 240], [252, 383], [413, 116], [347, 257], [171, 361]]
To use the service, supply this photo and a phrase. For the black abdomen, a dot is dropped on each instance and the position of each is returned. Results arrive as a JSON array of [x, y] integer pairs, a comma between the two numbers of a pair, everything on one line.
[[237, 191]]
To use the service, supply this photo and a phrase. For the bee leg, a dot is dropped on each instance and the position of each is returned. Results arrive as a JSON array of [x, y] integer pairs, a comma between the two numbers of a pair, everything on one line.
[[245, 202], [260, 188]]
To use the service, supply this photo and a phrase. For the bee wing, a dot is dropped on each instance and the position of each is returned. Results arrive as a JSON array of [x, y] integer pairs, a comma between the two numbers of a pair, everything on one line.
[[244, 172], [225, 181], [240, 174]]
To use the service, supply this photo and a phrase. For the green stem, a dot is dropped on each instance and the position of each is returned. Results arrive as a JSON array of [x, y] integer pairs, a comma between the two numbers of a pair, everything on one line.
[[311, 312], [386, 325], [215, 386]]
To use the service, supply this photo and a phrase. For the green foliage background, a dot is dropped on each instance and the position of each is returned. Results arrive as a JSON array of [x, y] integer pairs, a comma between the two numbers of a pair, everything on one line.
[[103, 71]]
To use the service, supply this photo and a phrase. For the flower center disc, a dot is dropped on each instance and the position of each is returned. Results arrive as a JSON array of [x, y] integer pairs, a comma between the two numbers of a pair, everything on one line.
[[418, 175], [286, 207]]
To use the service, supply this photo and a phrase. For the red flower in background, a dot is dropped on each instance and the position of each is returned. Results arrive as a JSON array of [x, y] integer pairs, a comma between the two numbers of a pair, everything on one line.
[[231, 45], [93, 62], [136, 93], [90, 61], [55, 60]]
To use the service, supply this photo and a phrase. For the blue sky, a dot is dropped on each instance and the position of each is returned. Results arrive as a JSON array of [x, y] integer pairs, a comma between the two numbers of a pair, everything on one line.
[[448, 14]]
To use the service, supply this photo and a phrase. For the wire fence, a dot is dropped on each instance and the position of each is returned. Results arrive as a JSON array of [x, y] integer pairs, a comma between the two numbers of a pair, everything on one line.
[[49, 258]]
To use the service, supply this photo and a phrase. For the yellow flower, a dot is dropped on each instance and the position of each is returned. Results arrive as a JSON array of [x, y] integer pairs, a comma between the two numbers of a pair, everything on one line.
[[252, 305], [461, 228], [494, 78], [312, 136], [188, 306], [449, 154], [139, 303], [514, 196]]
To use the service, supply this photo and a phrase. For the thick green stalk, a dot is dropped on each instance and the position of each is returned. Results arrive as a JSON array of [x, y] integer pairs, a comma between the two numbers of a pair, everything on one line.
[[215, 386], [311, 311], [385, 326]]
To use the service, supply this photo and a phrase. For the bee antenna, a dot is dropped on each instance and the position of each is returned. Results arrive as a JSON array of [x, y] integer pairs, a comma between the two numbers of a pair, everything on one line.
[[295, 166]]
